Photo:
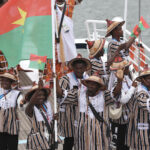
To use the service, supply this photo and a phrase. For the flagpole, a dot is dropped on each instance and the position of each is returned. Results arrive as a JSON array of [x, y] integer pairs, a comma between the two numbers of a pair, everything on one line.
[[139, 39], [54, 67]]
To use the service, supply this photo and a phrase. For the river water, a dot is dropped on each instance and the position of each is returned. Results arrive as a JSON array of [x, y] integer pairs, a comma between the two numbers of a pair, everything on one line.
[[107, 9]]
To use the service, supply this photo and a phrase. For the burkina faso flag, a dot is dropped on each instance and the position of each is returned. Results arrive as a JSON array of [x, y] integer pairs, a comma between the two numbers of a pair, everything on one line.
[[25, 28]]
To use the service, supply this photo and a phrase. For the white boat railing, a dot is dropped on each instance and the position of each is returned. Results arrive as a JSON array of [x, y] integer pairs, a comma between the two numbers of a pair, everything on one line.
[[97, 29]]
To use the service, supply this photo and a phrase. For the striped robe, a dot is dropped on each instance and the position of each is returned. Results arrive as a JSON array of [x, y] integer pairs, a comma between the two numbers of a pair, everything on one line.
[[139, 126], [101, 67], [68, 111], [37, 139], [9, 121], [113, 46], [90, 133]]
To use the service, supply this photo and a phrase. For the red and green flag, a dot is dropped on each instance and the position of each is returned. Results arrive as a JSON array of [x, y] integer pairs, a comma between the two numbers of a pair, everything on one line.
[[142, 25], [37, 62], [25, 28]]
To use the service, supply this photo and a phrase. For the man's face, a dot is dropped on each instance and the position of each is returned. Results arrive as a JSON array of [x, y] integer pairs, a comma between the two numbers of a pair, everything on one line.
[[100, 53], [118, 31], [6, 83], [41, 97], [146, 80], [79, 69], [93, 87]]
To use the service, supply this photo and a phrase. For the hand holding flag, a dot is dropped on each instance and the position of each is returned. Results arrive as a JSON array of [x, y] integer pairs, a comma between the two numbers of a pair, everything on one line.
[[138, 28]]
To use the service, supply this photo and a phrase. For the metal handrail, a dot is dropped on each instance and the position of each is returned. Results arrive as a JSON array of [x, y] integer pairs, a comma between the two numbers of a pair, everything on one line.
[[97, 33]]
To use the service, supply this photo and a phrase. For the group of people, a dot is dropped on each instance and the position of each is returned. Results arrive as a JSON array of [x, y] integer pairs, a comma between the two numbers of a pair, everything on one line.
[[100, 106]]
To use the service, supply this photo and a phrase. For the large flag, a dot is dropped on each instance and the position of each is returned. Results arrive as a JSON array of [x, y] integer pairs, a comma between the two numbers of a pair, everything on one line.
[[25, 28]]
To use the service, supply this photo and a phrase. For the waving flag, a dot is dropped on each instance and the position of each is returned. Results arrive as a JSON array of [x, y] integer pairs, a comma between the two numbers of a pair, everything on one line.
[[142, 25], [25, 28]]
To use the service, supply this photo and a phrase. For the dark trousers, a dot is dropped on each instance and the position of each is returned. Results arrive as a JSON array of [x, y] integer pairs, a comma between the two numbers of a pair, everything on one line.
[[8, 142], [119, 133], [68, 143]]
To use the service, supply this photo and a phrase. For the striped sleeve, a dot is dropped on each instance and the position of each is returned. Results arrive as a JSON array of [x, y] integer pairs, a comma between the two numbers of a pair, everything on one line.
[[98, 67], [72, 97], [64, 82], [108, 98], [112, 47], [143, 100]]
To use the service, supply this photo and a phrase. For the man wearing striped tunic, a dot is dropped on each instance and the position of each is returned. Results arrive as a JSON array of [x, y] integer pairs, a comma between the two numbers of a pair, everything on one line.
[[96, 49], [68, 112], [40, 115], [124, 91], [117, 46], [139, 131], [91, 132], [9, 121]]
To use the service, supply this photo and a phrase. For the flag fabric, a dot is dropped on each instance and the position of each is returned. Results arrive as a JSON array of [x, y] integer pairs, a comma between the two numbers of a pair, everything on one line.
[[25, 28], [134, 32], [142, 25], [37, 62]]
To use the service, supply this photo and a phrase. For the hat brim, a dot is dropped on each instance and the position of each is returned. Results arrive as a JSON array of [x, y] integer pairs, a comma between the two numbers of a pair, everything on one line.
[[98, 50], [30, 93], [116, 25], [139, 78], [117, 68], [9, 76], [85, 82], [82, 59]]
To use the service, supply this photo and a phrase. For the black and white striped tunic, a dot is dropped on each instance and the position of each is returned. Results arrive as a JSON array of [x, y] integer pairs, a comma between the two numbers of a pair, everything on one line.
[[9, 121], [90, 134], [113, 46], [68, 111], [139, 127], [101, 67], [38, 136]]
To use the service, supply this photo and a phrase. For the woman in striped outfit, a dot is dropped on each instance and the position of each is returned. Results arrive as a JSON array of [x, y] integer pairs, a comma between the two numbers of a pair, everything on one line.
[[139, 131], [68, 113], [96, 49], [40, 115], [9, 121], [124, 91], [90, 133]]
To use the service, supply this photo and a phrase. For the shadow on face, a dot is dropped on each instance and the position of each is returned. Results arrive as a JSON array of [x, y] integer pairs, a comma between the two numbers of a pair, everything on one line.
[[146, 81], [79, 68], [41, 97], [6, 83]]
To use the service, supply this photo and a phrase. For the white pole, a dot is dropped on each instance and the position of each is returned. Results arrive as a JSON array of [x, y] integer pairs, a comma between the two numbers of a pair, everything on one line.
[[54, 65], [139, 38], [125, 17]]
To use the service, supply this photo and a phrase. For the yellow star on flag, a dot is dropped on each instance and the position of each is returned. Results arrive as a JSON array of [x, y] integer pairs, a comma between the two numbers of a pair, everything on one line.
[[23, 17], [39, 61]]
